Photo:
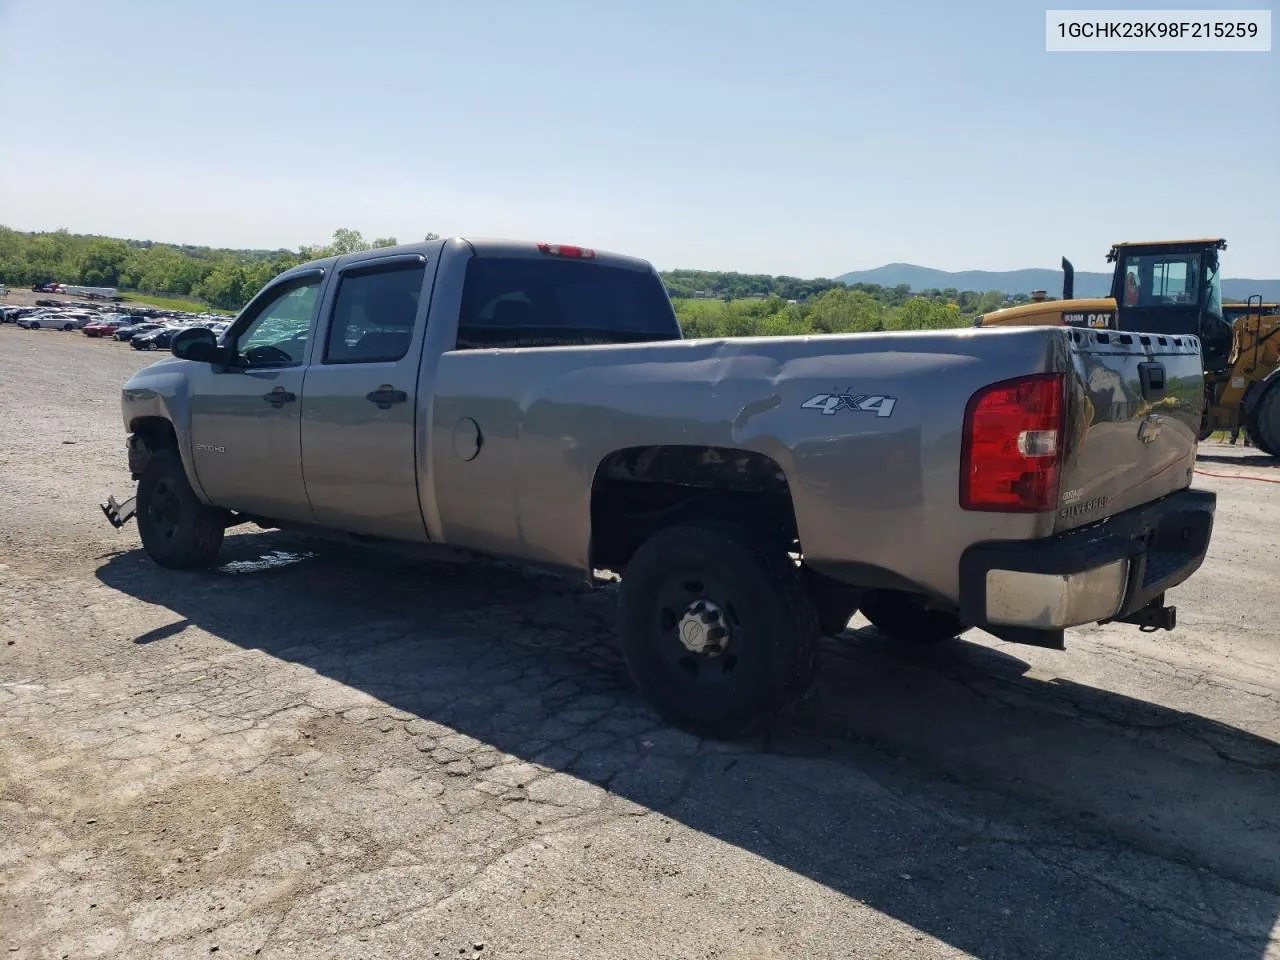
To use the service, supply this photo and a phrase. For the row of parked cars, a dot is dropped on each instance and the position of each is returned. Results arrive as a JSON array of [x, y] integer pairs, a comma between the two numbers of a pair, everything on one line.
[[143, 331], [149, 334]]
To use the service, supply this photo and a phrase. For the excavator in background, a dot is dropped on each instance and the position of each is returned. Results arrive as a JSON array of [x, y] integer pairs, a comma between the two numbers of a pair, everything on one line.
[[1174, 288]]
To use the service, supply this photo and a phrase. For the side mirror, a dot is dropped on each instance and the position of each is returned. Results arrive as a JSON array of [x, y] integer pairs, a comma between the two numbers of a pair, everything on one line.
[[198, 344]]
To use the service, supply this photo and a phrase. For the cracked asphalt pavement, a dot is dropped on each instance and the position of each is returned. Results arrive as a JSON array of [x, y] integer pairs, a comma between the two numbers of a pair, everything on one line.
[[316, 752]]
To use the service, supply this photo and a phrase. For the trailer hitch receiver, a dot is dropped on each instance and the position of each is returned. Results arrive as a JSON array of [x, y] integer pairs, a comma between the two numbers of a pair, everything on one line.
[[1154, 616]]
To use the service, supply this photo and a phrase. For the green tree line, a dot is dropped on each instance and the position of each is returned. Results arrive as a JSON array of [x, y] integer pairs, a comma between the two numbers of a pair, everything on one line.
[[225, 279], [708, 303], [838, 310]]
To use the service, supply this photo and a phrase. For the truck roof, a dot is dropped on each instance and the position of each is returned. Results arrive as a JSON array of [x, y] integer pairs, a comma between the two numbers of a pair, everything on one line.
[[483, 247]]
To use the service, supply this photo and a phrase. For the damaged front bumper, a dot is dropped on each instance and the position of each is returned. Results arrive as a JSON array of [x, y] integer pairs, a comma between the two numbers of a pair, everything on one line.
[[118, 514]]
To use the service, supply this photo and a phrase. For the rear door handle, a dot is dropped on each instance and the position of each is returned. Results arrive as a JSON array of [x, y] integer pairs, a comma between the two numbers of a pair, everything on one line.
[[279, 397], [385, 396]]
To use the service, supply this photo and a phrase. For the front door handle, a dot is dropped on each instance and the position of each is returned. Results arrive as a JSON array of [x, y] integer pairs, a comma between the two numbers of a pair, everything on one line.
[[279, 397], [385, 396]]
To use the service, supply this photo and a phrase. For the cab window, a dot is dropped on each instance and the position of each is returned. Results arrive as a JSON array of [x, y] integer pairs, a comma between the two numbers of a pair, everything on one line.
[[374, 314], [1158, 279], [277, 335], [523, 302]]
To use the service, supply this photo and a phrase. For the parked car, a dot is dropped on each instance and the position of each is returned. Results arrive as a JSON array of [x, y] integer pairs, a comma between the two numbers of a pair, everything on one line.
[[51, 321], [105, 327], [136, 329], [158, 339], [538, 403]]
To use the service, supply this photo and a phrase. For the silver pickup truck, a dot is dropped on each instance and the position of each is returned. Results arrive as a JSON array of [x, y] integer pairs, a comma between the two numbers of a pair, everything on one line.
[[538, 403]]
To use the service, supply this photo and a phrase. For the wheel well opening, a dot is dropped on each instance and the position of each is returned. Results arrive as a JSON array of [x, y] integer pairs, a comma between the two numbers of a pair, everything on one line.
[[640, 490], [156, 433]]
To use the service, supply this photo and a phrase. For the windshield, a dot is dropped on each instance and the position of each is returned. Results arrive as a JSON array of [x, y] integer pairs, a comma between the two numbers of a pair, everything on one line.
[[1166, 278]]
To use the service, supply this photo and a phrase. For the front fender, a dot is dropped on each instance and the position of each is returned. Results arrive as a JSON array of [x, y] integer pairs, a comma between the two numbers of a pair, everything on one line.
[[162, 392]]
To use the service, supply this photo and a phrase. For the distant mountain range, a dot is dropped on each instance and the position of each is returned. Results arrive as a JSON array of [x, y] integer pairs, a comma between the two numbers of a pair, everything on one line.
[[1024, 281]]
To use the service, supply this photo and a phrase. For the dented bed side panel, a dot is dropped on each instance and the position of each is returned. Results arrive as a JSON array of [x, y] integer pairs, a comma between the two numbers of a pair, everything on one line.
[[865, 429]]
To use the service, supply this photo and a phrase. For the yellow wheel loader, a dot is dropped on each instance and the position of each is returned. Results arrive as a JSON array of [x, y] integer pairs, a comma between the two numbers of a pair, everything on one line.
[[1174, 287], [1247, 395]]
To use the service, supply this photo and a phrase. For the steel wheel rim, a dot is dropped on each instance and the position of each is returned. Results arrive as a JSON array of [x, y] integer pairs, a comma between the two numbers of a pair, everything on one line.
[[676, 599], [164, 509]]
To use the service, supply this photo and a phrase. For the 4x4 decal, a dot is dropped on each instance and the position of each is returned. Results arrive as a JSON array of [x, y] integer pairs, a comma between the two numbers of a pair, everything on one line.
[[832, 403]]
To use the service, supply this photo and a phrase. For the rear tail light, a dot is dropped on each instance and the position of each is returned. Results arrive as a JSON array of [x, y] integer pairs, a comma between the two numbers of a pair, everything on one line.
[[565, 250], [1011, 452]]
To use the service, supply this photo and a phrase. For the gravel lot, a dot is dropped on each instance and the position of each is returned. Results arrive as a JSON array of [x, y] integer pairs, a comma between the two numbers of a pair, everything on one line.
[[313, 752]]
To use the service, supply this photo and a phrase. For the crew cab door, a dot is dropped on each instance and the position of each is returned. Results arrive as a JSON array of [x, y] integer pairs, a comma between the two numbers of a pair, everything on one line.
[[360, 400], [244, 416]]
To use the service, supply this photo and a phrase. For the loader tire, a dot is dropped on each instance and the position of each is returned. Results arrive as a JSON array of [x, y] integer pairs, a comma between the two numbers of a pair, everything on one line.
[[718, 630], [177, 530], [904, 616], [1265, 422]]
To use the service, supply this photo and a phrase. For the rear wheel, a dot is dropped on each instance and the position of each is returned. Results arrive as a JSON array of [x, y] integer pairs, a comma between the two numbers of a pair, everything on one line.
[[1265, 422], [904, 616], [717, 628], [177, 530], [835, 609]]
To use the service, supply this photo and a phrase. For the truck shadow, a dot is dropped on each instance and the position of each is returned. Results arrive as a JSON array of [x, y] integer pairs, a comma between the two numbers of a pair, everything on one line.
[[946, 787]]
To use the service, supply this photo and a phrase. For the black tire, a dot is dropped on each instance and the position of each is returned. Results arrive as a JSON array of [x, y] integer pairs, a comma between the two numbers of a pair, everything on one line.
[[178, 531], [835, 610], [1264, 422], [34, 326], [754, 591], [68, 327], [904, 616]]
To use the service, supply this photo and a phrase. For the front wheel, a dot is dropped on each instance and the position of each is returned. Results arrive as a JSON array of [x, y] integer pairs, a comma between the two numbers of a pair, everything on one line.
[[177, 530], [717, 629], [904, 616]]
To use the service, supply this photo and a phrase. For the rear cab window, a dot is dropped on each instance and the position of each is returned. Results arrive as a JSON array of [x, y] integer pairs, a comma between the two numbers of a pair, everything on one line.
[[374, 313], [523, 302]]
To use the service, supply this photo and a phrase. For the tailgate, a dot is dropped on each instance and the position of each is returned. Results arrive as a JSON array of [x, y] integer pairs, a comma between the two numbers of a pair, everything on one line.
[[1135, 412]]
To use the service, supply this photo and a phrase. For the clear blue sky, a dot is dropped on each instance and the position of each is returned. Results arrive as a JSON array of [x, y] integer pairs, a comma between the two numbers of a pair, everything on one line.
[[808, 138]]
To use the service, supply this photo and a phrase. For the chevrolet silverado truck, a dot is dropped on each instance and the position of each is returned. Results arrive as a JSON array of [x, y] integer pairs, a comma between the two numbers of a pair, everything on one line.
[[538, 403]]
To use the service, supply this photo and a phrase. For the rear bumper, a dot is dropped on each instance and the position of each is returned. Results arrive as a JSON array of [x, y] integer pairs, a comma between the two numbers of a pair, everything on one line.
[[1033, 590]]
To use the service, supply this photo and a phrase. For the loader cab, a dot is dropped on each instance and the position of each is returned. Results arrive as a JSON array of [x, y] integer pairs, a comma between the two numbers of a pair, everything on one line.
[[1173, 287]]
